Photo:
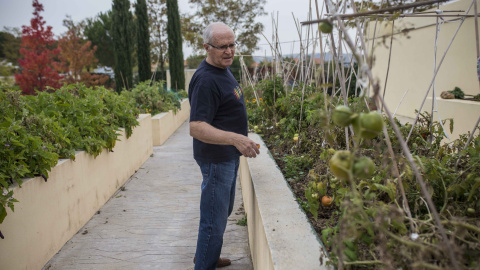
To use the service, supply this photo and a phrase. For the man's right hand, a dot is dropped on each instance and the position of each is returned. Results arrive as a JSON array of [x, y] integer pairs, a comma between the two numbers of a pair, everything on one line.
[[246, 146], [209, 134]]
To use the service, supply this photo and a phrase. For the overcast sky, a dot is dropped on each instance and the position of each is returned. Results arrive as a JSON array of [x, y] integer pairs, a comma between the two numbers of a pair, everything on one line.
[[15, 13]]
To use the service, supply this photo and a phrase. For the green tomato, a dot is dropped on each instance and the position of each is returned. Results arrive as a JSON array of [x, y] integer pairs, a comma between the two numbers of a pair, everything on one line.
[[342, 116], [325, 27], [363, 168], [368, 125], [340, 164]]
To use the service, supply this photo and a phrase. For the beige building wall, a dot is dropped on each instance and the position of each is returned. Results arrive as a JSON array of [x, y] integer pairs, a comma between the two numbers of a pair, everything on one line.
[[412, 66]]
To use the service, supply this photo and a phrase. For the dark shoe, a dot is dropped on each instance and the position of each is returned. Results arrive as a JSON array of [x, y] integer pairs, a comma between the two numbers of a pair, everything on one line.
[[222, 262]]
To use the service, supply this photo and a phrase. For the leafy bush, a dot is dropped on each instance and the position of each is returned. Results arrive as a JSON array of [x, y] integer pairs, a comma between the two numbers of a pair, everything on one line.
[[458, 93], [35, 131], [295, 166], [153, 98]]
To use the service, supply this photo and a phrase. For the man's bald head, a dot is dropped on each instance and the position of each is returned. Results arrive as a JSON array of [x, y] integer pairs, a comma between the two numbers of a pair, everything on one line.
[[215, 28]]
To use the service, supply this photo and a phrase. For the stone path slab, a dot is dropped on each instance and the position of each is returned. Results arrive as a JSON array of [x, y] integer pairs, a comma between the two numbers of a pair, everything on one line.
[[152, 221]]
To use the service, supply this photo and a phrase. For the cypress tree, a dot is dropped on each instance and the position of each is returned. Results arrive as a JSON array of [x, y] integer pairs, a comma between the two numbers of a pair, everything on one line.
[[122, 43], [143, 41], [175, 51]]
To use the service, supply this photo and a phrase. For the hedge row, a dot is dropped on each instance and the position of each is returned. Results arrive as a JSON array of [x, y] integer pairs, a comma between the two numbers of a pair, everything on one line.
[[36, 131]]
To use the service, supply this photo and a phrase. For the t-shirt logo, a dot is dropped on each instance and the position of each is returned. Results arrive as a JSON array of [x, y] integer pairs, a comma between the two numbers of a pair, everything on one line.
[[238, 92]]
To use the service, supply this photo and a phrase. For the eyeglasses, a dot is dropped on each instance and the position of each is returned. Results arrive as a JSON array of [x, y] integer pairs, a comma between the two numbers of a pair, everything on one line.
[[224, 48]]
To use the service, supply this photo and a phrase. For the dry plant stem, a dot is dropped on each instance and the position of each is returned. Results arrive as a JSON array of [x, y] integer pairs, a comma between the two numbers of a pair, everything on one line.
[[388, 65], [275, 60], [406, 242], [362, 39], [337, 69], [435, 75], [300, 60], [362, 262], [242, 63], [425, 16], [462, 224], [359, 29], [407, 153], [342, 78], [396, 173], [378, 11], [468, 141], [322, 56], [304, 85], [300, 43], [430, 137], [401, 100], [370, 62], [424, 265], [423, 187]]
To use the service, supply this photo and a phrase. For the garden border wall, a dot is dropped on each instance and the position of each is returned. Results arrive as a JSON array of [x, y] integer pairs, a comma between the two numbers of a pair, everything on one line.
[[49, 214], [165, 124], [279, 233]]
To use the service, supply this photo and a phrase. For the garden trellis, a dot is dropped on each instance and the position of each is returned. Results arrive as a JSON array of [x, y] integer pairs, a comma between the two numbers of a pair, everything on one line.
[[363, 48]]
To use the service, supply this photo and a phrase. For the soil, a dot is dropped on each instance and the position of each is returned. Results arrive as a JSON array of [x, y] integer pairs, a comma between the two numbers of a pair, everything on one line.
[[326, 215]]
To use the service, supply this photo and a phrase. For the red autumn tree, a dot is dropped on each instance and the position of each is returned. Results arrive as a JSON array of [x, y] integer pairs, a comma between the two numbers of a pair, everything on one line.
[[77, 57], [39, 69]]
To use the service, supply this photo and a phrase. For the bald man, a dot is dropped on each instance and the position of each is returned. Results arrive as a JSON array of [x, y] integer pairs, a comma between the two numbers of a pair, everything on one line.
[[219, 127]]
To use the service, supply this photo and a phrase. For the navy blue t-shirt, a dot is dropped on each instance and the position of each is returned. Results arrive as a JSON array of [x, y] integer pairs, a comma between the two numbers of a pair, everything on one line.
[[217, 99]]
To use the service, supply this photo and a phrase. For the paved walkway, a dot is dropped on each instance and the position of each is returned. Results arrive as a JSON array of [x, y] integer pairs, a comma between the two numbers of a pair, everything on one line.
[[152, 221]]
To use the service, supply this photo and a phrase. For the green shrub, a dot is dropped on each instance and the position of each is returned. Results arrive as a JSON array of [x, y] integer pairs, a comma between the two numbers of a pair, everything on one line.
[[458, 93], [35, 131], [153, 98]]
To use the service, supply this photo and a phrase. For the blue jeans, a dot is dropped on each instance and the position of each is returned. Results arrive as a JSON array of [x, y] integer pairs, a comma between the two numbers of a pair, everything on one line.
[[216, 205]]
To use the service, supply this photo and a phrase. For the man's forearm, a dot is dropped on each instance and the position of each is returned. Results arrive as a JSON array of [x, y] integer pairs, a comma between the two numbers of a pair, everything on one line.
[[206, 133]]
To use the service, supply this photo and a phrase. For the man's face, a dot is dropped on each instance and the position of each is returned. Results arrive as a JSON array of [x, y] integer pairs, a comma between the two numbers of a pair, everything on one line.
[[218, 56]]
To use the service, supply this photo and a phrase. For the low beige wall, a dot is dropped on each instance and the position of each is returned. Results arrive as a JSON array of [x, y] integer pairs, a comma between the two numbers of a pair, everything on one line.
[[49, 213], [463, 112], [165, 124], [279, 233]]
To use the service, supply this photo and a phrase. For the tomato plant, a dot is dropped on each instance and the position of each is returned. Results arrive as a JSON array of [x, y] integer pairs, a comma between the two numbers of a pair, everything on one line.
[[379, 217]]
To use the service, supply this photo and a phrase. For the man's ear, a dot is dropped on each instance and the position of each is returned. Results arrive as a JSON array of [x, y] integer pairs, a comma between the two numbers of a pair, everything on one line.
[[206, 46]]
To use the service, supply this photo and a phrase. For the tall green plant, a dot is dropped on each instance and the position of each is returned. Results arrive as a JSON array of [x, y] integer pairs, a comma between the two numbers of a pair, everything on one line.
[[99, 31], [122, 43], [175, 51], [143, 41]]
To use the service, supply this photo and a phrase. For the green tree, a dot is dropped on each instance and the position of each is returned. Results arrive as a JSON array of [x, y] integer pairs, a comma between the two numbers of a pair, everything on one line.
[[77, 56], [239, 15], [10, 46], [143, 41], [194, 60], [99, 31], [175, 51], [157, 17], [122, 44], [10, 40]]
